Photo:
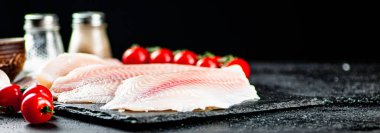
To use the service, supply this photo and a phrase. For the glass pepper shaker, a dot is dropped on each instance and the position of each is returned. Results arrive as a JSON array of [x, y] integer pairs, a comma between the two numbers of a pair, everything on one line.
[[89, 34], [42, 40]]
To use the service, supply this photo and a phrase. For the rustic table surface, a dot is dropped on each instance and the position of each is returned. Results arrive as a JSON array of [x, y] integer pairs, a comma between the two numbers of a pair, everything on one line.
[[354, 88]]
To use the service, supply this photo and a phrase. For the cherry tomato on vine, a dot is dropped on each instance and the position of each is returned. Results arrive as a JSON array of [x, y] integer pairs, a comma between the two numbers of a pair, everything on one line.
[[185, 57], [136, 55], [162, 55], [243, 64], [208, 62], [217, 58]]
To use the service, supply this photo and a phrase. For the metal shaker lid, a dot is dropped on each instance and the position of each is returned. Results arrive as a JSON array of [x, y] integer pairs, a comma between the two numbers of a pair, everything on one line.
[[35, 20], [92, 18]]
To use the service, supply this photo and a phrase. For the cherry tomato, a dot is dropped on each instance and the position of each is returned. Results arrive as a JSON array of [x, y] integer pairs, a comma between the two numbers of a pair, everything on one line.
[[210, 55], [208, 62], [243, 63], [38, 89], [136, 55], [185, 57], [162, 55], [217, 58], [10, 98], [37, 108]]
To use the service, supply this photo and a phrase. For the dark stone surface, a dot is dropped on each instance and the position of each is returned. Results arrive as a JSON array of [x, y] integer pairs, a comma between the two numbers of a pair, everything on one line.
[[295, 98]]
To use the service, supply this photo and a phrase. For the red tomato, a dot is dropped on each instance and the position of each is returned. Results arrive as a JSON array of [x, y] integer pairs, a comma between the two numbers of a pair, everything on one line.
[[185, 57], [162, 55], [10, 98], [36, 108], [136, 55], [208, 62], [38, 89], [243, 64], [217, 58]]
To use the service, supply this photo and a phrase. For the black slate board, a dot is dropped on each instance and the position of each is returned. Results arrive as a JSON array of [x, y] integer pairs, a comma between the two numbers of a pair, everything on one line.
[[92, 110], [282, 87]]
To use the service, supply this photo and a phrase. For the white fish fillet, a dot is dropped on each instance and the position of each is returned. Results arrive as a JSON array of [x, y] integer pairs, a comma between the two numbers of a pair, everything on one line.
[[98, 83], [65, 63], [4, 79], [184, 91]]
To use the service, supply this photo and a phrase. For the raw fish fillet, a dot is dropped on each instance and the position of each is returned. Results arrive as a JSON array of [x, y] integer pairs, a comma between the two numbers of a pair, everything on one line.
[[98, 83], [4, 79], [184, 91], [65, 63], [113, 61]]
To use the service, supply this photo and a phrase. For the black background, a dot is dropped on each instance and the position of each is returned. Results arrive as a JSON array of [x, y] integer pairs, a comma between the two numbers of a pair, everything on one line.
[[256, 30]]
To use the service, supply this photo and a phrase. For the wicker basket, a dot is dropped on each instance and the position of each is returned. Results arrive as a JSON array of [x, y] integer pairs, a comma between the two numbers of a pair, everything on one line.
[[12, 56]]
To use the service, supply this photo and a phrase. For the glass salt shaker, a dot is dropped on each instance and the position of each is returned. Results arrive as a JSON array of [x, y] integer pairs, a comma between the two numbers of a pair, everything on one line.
[[42, 40], [89, 34]]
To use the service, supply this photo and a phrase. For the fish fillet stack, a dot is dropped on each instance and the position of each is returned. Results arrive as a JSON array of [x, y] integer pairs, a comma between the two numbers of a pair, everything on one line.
[[64, 64], [145, 87]]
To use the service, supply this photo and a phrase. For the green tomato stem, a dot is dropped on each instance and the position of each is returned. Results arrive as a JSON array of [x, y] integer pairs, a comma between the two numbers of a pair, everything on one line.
[[23, 90], [47, 109], [152, 49]]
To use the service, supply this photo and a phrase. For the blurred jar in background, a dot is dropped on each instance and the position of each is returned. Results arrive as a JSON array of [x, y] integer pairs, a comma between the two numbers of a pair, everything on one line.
[[89, 34], [42, 40]]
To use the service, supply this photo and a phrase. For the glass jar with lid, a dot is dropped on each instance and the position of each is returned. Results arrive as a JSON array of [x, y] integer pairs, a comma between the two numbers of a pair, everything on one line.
[[89, 34], [42, 40]]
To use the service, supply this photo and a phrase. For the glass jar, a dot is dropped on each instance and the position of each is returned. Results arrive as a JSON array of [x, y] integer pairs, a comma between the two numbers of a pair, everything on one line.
[[89, 34], [42, 40]]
